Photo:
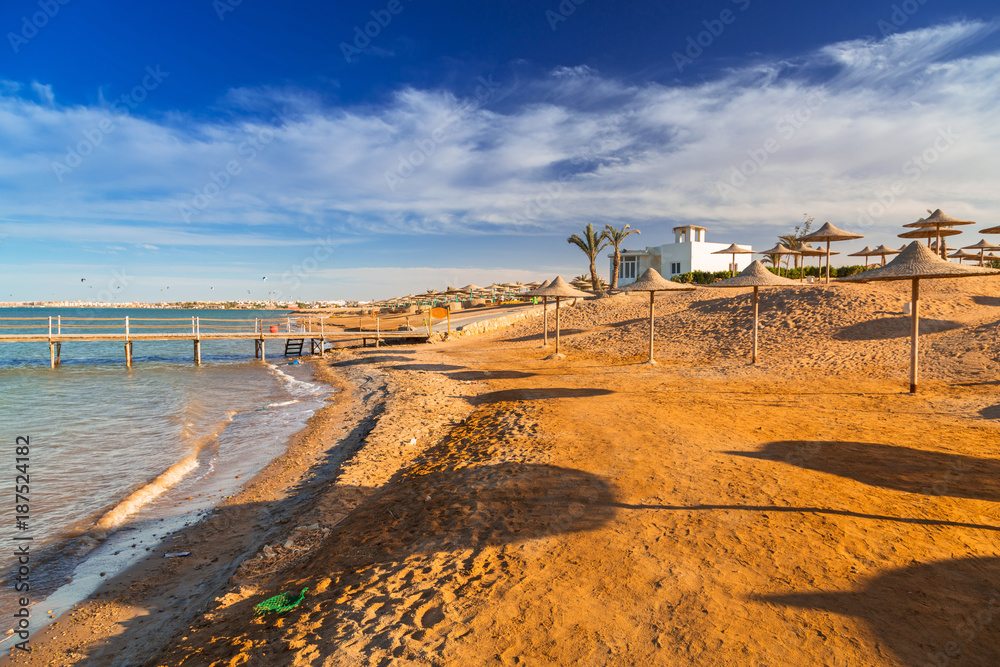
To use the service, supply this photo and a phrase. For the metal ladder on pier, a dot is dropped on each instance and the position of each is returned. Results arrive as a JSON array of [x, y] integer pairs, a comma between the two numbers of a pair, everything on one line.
[[293, 347]]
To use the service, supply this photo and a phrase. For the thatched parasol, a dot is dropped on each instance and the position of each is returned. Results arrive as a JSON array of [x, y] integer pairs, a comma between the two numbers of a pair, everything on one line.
[[961, 255], [651, 281], [866, 253], [882, 251], [982, 247], [545, 311], [559, 289], [807, 250], [929, 233], [990, 230], [829, 233], [779, 250], [937, 220], [734, 250], [756, 275], [917, 261]]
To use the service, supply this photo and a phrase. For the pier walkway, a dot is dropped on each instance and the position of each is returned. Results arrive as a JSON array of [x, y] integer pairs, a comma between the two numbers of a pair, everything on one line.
[[57, 330]]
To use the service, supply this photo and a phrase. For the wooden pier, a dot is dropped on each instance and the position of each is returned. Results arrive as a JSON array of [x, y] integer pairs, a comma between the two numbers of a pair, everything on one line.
[[57, 330]]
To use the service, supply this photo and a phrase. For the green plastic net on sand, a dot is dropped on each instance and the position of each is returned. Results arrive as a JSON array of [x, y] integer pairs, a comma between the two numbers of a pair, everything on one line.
[[280, 603]]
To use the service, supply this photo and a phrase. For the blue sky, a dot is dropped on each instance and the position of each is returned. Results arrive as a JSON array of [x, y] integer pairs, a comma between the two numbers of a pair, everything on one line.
[[186, 150]]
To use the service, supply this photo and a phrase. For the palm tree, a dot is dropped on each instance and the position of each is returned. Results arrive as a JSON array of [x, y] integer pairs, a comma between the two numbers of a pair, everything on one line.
[[794, 241], [615, 238], [591, 244]]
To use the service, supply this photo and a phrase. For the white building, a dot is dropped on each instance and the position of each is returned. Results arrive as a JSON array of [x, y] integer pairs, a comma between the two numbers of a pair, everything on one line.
[[689, 252]]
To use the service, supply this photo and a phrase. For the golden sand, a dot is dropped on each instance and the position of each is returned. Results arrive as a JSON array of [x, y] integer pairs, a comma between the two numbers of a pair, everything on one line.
[[596, 511]]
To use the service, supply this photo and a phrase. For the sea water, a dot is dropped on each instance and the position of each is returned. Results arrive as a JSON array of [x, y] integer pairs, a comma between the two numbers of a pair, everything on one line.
[[122, 457]]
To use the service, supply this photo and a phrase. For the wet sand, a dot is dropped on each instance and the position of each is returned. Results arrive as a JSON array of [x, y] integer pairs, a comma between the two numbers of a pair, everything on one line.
[[597, 511]]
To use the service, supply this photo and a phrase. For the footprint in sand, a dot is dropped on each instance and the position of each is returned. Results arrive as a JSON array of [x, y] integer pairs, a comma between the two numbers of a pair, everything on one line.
[[429, 617]]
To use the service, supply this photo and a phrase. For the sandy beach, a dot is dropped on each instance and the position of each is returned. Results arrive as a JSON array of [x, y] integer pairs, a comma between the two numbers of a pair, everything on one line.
[[470, 503]]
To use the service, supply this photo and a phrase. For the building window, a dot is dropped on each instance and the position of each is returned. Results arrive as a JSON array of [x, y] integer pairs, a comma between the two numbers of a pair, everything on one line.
[[628, 268], [675, 268]]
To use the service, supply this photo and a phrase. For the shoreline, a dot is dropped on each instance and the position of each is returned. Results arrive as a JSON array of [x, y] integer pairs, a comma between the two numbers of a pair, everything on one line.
[[116, 602], [507, 509]]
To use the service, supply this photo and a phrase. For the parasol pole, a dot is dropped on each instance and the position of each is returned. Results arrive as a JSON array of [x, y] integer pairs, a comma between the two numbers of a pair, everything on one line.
[[732, 267], [914, 330], [828, 262], [651, 295], [545, 321], [754, 324], [557, 325]]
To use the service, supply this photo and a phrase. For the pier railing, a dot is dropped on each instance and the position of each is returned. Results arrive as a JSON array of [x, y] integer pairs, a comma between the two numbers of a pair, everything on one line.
[[57, 329], [60, 325]]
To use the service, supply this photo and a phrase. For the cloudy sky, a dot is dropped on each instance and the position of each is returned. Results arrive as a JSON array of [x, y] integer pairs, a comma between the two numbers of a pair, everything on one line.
[[187, 150]]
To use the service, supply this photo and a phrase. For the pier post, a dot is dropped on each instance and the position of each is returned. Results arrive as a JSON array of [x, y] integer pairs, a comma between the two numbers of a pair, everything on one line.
[[128, 346], [322, 339], [58, 353], [52, 354], [196, 325]]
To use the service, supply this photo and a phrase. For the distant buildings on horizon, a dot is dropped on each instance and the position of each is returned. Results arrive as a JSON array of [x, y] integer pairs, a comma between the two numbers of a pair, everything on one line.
[[207, 305]]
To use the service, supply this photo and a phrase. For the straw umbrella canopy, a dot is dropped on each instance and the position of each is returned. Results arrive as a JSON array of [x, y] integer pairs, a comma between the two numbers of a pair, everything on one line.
[[990, 230], [472, 288], [929, 233], [828, 233], [807, 250], [961, 254], [756, 275], [917, 261], [882, 251], [982, 247], [651, 281], [559, 289], [866, 253], [937, 220], [778, 250], [734, 250], [545, 311]]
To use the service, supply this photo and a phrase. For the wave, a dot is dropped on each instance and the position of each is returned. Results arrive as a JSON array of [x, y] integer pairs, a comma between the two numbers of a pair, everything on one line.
[[168, 479], [143, 496], [283, 403], [294, 384]]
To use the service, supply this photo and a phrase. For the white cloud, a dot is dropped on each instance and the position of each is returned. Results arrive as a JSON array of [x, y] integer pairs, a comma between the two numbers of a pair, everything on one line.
[[577, 147]]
